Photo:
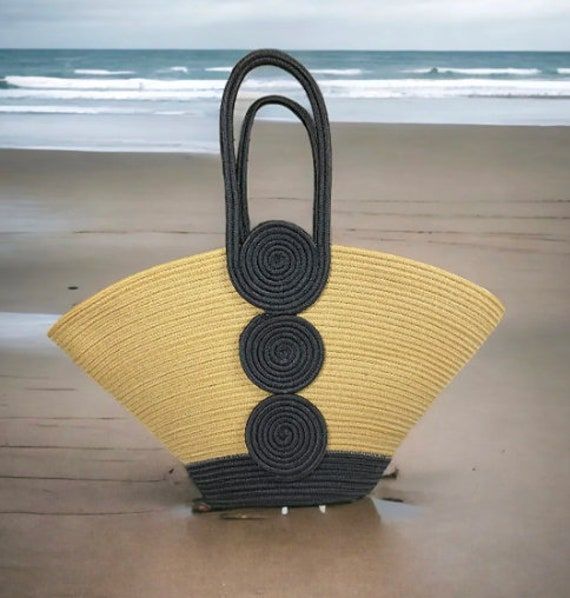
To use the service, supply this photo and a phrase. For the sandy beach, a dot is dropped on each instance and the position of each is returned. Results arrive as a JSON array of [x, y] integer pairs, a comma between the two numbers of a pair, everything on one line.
[[92, 505]]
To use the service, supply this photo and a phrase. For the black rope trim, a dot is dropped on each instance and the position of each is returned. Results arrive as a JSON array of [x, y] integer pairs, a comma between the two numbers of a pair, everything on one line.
[[244, 143], [282, 269], [236, 482]]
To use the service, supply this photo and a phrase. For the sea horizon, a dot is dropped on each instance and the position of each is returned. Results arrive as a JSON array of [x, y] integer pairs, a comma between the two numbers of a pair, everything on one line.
[[168, 99], [283, 48]]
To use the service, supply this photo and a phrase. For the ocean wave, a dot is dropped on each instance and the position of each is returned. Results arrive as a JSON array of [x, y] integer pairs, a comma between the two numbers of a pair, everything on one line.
[[10, 109], [57, 83], [68, 110], [183, 90], [105, 84], [563, 71], [101, 72], [443, 70], [338, 72], [178, 69], [112, 95], [345, 72], [459, 88]]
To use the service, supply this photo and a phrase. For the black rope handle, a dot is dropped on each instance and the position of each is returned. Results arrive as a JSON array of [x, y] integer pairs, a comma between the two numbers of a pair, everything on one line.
[[244, 142], [276, 266], [281, 60]]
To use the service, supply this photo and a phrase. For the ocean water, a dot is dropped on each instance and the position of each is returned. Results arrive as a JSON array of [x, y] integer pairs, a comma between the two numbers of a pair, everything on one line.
[[168, 100]]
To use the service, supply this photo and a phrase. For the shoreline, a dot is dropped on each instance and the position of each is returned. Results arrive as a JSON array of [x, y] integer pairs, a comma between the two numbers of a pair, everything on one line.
[[185, 128], [272, 122]]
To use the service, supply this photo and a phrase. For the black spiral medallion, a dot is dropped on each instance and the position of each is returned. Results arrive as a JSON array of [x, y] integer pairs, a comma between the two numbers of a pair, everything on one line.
[[286, 435], [279, 268], [281, 353]]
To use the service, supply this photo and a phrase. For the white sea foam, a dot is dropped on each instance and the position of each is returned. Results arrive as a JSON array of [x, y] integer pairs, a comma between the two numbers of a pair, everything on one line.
[[183, 90], [563, 71], [107, 84], [178, 69], [113, 95], [101, 72], [414, 88], [474, 71], [50, 109], [340, 72]]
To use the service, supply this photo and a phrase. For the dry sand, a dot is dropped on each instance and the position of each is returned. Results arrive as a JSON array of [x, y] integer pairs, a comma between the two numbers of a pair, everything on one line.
[[91, 505]]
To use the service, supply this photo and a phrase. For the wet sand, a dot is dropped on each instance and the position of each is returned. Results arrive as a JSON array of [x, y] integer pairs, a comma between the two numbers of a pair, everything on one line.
[[91, 505]]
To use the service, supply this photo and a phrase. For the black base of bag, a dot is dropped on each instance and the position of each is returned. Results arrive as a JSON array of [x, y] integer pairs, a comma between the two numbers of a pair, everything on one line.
[[234, 482]]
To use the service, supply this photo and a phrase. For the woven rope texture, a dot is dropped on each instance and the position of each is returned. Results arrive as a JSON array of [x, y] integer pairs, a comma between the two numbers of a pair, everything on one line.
[[165, 342], [238, 481]]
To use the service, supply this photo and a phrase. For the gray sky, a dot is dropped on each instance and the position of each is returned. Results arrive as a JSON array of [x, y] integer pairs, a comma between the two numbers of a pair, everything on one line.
[[293, 24]]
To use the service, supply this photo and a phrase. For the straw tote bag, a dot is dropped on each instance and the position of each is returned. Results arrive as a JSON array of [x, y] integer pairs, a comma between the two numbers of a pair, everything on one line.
[[281, 370]]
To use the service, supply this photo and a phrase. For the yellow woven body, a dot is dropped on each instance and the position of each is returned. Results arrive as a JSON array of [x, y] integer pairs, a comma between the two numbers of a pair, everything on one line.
[[164, 343]]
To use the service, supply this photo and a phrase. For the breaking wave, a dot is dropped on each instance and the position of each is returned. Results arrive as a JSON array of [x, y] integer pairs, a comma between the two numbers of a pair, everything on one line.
[[188, 89]]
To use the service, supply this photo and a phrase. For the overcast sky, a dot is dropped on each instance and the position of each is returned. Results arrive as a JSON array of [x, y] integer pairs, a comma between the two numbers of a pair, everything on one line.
[[289, 24]]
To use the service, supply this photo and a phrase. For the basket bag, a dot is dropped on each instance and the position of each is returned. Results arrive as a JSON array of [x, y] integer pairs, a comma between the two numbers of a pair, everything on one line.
[[281, 370]]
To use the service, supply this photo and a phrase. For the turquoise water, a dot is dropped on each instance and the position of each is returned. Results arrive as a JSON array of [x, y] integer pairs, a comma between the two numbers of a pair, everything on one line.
[[168, 99]]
